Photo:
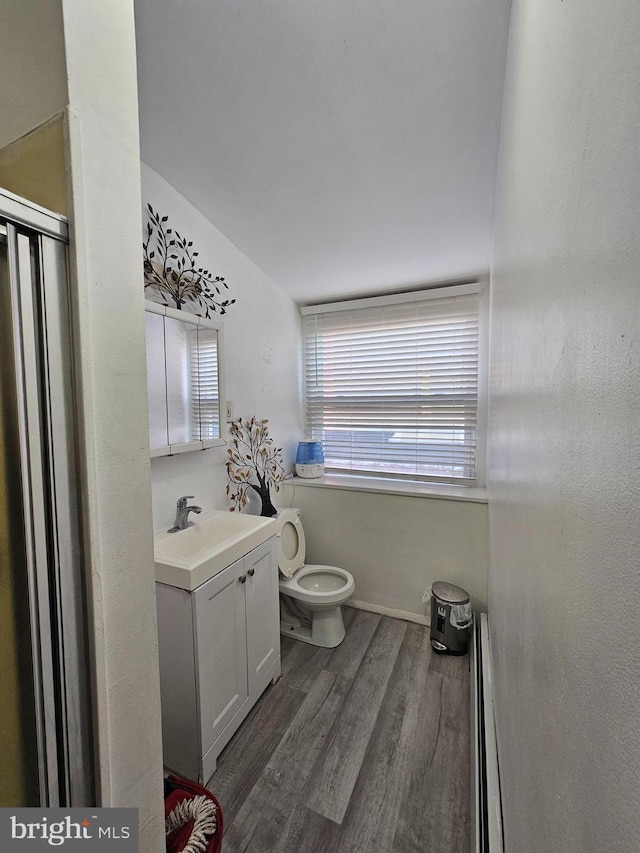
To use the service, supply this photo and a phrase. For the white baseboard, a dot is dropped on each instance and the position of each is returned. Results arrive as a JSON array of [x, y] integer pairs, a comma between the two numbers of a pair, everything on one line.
[[389, 611]]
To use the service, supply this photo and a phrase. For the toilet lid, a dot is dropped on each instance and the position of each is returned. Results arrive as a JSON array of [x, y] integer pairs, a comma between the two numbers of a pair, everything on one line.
[[292, 547]]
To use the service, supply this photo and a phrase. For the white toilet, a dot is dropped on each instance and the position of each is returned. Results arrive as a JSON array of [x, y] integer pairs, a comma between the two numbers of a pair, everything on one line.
[[310, 596]]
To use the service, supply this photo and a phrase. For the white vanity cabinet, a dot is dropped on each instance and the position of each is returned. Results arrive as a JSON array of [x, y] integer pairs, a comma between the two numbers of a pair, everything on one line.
[[219, 648]]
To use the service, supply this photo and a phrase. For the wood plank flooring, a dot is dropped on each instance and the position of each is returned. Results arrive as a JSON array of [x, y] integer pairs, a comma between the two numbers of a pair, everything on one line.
[[356, 749]]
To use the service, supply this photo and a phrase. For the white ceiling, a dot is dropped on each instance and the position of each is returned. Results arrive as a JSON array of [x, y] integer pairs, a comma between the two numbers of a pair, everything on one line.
[[345, 146]]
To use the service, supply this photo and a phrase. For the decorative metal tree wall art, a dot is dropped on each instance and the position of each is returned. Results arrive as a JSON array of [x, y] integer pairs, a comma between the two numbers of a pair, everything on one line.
[[171, 268], [253, 455]]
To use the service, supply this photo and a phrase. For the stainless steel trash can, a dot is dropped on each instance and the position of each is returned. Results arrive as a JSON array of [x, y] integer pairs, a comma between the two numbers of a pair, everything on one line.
[[450, 618]]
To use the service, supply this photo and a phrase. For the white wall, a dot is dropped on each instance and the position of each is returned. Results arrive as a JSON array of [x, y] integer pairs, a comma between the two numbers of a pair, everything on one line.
[[261, 357], [564, 584], [395, 546], [33, 84], [109, 310]]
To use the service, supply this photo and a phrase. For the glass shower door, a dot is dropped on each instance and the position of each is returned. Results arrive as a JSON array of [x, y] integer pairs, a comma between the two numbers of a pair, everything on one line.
[[19, 785], [45, 719]]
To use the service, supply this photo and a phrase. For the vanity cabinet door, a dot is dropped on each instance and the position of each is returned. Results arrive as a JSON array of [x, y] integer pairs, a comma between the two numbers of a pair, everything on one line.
[[221, 650], [263, 616]]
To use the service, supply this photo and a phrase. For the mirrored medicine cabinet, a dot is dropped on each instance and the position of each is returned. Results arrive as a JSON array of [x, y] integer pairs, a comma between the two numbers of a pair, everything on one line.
[[184, 380]]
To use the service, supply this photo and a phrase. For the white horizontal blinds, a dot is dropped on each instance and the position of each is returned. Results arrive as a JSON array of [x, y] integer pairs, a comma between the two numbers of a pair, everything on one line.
[[203, 373], [391, 389]]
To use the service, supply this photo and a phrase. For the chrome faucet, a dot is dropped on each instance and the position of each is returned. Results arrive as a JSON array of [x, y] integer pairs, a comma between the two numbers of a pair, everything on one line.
[[182, 514]]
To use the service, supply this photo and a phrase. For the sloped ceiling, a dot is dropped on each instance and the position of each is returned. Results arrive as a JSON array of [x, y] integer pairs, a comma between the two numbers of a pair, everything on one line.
[[346, 146]]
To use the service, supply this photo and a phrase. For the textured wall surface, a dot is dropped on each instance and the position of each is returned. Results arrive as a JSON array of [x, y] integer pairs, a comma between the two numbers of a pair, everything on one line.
[[105, 218], [395, 546], [33, 85], [564, 581], [34, 166]]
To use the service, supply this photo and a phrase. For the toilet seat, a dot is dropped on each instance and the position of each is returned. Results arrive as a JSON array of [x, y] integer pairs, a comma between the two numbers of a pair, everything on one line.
[[291, 542], [319, 584]]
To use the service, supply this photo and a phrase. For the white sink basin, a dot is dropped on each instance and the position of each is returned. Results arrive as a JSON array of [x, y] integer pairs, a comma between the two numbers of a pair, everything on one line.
[[218, 538]]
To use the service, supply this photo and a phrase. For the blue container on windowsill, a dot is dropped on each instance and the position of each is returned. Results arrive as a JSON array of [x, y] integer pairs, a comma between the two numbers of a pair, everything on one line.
[[310, 460]]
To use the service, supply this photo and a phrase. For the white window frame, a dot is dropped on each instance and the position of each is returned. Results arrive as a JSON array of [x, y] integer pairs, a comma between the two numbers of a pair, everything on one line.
[[480, 287]]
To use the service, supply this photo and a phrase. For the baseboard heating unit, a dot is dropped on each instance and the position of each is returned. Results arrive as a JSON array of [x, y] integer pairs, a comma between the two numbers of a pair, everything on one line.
[[486, 806]]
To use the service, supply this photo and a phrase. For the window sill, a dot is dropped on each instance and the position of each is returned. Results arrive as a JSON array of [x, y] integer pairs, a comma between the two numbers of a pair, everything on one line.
[[381, 485]]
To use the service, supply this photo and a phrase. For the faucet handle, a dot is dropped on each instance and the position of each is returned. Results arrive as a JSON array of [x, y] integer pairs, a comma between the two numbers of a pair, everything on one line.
[[182, 502]]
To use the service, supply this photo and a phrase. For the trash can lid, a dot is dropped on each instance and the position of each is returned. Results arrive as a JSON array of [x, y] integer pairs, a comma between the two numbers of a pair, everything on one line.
[[450, 593]]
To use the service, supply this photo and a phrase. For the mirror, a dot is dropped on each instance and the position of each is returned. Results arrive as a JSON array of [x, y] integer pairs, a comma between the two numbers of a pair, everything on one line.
[[184, 381]]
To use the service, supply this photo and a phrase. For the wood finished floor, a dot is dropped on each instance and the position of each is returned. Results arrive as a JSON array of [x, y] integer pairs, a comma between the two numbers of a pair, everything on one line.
[[356, 749]]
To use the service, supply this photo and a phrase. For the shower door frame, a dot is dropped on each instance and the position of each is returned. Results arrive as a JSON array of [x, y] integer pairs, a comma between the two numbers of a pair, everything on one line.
[[42, 349]]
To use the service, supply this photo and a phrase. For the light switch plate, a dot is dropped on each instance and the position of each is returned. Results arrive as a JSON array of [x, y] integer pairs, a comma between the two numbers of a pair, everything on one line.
[[229, 406]]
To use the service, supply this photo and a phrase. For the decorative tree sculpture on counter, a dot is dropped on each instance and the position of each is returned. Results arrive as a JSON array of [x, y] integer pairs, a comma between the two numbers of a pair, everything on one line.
[[253, 455], [171, 269]]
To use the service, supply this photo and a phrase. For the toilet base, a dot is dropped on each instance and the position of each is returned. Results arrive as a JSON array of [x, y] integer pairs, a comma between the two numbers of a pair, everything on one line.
[[326, 629]]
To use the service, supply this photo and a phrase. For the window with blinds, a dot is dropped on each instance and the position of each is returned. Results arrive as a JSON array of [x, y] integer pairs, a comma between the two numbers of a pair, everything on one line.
[[391, 384], [204, 383]]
